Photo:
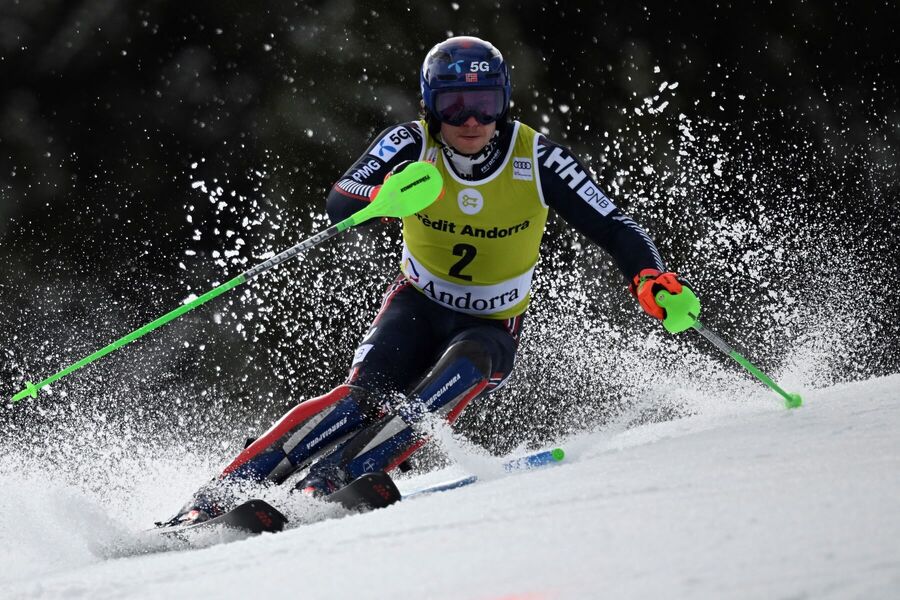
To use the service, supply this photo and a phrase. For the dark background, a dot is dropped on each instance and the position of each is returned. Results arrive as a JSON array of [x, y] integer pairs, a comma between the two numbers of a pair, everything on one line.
[[149, 150]]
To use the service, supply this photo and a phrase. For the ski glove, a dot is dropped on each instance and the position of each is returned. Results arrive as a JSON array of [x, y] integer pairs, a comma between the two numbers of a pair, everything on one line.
[[648, 282]]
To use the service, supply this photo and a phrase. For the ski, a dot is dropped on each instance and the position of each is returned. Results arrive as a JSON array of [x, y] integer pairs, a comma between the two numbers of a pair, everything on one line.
[[253, 517], [531, 461], [367, 492]]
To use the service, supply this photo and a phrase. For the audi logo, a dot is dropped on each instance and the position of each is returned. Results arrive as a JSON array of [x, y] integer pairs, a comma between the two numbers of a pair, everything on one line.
[[522, 164]]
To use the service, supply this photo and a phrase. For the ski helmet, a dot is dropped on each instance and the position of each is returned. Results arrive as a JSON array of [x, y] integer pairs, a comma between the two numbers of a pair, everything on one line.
[[465, 64]]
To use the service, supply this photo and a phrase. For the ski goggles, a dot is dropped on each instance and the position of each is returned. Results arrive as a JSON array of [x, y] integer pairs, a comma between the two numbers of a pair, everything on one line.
[[454, 107]]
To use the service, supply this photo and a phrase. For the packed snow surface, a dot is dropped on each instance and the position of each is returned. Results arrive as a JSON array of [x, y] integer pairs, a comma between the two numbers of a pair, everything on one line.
[[744, 500]]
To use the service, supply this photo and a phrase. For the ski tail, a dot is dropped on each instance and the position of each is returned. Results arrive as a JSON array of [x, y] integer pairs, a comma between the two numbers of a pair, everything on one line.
[[538, 459], [531, 461]]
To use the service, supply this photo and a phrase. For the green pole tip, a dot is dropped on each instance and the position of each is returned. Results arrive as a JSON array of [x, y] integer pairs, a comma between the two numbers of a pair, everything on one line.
[[558, 454], [30, 390], [793, 401]]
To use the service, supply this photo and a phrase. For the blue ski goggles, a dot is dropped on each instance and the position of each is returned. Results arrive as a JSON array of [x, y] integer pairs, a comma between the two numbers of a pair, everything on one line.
[[454, 107]]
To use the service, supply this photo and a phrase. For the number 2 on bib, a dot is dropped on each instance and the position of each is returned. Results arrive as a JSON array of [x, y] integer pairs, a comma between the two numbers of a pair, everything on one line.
[[467, 252]]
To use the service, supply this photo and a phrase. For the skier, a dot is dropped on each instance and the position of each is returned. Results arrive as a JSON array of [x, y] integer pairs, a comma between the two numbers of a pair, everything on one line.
[[449, 324]]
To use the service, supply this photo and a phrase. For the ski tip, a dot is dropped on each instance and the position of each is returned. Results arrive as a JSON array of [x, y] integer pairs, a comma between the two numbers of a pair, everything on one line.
[[367, 492]]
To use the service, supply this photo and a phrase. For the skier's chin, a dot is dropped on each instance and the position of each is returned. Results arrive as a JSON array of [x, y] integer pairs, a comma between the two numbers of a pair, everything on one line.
[[470, 144], [468, 139]]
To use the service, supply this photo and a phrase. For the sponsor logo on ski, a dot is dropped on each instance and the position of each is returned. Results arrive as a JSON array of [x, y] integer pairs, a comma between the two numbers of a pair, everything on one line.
[[392, 143], [470, 201], [325, 434], [523, 169], [383, 491], [369, 465], [264, 518]]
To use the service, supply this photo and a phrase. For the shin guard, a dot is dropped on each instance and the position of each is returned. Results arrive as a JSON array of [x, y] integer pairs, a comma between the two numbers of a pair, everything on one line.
[[305, 431], [458, 377]]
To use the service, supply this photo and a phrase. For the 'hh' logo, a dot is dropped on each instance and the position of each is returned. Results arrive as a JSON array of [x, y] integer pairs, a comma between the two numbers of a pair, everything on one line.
[[470, 201]]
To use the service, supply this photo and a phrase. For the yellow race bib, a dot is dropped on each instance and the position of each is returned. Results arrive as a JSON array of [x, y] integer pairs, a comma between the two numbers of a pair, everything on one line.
[[475, 249]]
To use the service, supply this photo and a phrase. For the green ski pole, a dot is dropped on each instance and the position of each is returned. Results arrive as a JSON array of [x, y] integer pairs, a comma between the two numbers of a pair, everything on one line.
[[683, 311], [403, 194]]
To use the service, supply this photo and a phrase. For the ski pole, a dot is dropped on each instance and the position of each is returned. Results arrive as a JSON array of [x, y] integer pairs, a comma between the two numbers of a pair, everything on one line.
[[403, 194], [683, 311]]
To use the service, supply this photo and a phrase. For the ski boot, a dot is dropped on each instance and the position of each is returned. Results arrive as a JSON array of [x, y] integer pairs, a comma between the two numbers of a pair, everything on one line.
[[212, 500], [318, 486]]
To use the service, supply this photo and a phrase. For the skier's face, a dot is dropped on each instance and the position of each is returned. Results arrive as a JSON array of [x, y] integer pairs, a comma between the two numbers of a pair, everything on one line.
[[470, 137]]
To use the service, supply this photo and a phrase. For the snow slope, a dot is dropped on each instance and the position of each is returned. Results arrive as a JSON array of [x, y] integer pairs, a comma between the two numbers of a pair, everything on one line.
[[747, 500]]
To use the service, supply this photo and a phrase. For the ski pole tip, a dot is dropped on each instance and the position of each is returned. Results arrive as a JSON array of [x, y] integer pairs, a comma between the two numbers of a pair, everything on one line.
[[793, 401], [30, 390]]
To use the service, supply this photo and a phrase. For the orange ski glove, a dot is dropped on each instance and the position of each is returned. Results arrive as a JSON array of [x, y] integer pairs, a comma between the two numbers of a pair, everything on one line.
[[648, 282]]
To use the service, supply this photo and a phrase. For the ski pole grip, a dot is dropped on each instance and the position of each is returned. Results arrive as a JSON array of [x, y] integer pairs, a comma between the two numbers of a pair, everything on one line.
[[682, 309], [404, 193]]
